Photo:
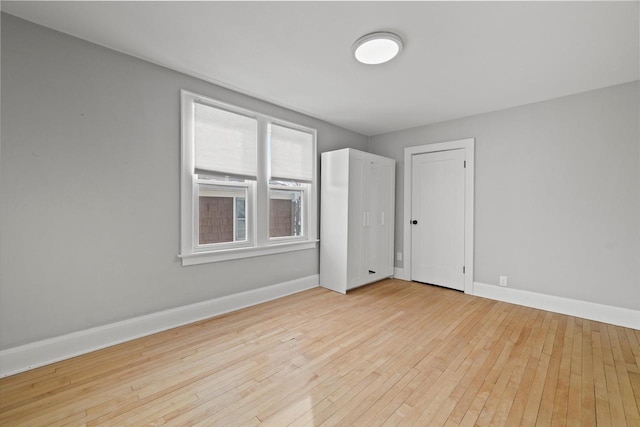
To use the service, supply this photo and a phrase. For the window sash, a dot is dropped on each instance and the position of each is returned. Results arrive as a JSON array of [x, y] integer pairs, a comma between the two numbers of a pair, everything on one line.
[[248, 189], [304, 218]]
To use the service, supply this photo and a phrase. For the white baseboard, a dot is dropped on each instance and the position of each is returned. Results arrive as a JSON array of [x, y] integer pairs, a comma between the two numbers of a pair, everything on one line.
[[40, 353], [398, 273], [586, 310]]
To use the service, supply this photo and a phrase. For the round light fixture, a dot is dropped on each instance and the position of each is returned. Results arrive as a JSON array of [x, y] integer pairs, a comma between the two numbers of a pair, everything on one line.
[[377, 48]]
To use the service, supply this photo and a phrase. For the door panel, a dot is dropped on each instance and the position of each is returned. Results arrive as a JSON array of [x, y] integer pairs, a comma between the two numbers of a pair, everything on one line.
[[437, 204]]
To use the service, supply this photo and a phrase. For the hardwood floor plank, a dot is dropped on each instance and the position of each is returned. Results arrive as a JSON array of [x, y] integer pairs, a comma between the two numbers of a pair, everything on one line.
[[535, 392], [561, 400], [547, 401], [603, 414], [574, 402], [519, 337], [374, 415], [392, 353], [470, 395], [634, 345], [530, 387], [588, 405], [613, 388], [629, 403]]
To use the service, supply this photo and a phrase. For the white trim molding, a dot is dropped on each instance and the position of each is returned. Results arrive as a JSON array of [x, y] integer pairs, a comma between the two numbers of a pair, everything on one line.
[[398, 273], [572, 307], [41, 353], [468, 145], [204, 257]]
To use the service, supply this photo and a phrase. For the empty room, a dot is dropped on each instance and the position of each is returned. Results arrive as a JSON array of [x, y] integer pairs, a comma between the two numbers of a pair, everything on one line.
[[320, 213]]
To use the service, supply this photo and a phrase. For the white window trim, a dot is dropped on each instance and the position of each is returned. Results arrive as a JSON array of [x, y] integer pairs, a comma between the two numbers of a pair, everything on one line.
[[190, 253]]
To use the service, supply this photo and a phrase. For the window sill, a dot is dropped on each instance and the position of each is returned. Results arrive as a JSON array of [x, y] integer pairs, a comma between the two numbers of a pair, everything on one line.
[[239, 253]]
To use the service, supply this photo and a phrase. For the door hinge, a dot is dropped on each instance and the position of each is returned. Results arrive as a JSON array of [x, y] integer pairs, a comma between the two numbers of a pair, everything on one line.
[[463, 270], [465, 163]]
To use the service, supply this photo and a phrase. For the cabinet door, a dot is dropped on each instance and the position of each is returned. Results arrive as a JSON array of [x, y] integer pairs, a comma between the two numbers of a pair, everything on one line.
[[380, 218], [387, 210], [356, 255], [372, 218], [370, 246]]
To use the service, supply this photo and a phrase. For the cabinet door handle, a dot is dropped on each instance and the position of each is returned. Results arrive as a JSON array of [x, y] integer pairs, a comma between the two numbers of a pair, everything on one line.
[[414, 222], [381, 218]]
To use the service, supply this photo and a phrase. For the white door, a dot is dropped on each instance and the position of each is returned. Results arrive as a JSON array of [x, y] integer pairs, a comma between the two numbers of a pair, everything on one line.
[[437, 209]]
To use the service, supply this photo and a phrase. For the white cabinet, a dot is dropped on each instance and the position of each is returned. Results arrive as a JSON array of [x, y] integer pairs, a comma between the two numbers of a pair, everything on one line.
[[356, 219]]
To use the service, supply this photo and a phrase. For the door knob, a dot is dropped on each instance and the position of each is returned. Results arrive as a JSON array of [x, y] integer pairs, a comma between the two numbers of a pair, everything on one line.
[[414, 222]]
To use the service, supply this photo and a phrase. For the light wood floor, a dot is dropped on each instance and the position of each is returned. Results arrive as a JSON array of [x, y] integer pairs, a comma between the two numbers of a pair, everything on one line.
[[393, 353]]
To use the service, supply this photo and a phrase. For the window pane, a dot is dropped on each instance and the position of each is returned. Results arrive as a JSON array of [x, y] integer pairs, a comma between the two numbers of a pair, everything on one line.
[[291, 154], [285, 213], [241, 232], [219, 217], [225, 142]]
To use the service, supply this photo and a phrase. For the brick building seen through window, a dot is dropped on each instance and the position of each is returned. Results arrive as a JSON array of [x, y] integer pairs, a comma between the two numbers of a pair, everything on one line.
[[219, 222]]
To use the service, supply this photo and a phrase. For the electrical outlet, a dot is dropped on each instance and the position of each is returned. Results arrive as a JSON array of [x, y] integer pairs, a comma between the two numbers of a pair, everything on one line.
[[399, 256], [503, 281]]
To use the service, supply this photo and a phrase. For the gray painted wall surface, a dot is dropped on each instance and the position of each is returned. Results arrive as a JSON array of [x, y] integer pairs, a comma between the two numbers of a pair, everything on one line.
[[557, 202], [89, 189]]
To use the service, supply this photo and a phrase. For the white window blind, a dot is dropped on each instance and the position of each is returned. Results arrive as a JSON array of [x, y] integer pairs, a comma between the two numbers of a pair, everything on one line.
[[225, 142], [291, 154]]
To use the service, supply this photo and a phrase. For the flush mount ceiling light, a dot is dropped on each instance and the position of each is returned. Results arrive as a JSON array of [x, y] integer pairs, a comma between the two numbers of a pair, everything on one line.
[[377, 48]]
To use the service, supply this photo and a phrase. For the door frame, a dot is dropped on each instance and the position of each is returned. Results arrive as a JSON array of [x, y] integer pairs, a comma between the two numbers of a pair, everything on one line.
[[468, 145]]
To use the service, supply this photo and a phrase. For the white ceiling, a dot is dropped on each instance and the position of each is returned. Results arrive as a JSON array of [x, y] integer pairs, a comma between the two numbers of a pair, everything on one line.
[[460, 58]]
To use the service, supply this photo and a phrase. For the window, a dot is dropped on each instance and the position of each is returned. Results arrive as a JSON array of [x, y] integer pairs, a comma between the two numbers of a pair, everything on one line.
[[248, 183]]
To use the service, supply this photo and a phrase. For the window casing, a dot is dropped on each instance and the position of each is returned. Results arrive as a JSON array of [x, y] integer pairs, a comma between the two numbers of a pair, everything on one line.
[[233, 206]]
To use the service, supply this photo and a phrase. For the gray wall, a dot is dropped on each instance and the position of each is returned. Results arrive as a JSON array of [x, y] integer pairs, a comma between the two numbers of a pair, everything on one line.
[[89, 189], [557, 201]]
